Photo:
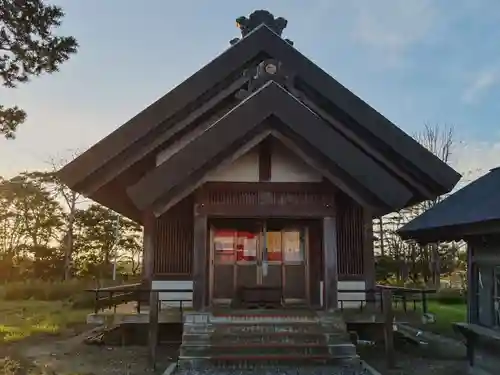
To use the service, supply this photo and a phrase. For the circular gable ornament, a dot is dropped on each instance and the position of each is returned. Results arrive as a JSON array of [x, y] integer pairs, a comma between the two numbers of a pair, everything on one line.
[[271, 69]]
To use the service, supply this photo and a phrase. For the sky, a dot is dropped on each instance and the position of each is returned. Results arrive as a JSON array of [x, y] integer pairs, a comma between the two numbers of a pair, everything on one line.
[[415, 61]]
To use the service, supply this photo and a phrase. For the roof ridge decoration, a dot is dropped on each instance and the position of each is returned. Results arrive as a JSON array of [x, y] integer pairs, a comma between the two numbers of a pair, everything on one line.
[[257, 18], [267, 70]]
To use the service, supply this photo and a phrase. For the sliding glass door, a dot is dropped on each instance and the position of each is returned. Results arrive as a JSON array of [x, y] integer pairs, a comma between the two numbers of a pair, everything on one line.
[[258, 253]]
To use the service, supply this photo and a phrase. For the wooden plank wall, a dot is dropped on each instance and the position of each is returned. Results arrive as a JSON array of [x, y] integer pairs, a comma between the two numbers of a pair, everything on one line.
[[350, 244], [174, 239], [174, 242]]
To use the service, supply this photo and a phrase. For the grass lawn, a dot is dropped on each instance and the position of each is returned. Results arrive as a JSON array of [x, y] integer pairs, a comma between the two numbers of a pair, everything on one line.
[[23, 319], [446, 315]]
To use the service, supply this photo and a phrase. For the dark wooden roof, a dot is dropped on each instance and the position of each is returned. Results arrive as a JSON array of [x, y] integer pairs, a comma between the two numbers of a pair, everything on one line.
[[125, 156], [248, 117], [472, 210]]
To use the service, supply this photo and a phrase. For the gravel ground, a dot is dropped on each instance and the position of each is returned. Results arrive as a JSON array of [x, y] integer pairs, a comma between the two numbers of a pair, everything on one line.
[[412, 363]]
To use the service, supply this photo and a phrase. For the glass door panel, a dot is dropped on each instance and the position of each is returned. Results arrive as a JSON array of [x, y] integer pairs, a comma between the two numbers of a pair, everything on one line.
[[294, 265], [496, 296], [271, 272], [224, 257], [293, 246], [247, 258], [485, 285]]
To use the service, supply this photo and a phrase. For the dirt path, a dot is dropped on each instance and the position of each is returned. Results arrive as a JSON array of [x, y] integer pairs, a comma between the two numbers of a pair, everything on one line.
[[71, 356]]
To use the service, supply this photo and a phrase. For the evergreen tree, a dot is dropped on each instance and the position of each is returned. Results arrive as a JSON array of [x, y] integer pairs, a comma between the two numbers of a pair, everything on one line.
[[28, 47]]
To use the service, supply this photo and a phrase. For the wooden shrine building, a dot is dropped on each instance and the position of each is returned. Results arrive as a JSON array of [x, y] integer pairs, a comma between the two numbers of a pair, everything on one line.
[[259, 172]]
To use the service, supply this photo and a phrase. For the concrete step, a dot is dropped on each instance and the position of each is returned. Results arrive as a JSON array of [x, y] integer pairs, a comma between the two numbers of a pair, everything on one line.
[[270, 339], [266, 338], [265, 312], [265, 361], [262, 319], [262, 327], [344, 350]]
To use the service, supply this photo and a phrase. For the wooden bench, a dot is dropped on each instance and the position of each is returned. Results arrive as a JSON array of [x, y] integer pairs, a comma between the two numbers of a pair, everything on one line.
[[260, 297], [477, 337]]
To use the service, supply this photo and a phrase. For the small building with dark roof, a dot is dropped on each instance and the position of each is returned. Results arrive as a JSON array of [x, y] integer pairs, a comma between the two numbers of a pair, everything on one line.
[[471, 214]]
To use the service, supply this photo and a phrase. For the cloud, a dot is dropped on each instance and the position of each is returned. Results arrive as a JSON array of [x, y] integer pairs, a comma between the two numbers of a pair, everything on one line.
[[483, 81], [392, 26], [474, 159]]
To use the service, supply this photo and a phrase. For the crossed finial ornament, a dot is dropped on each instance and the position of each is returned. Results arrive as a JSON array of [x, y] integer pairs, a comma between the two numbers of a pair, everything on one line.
[[257, 18]]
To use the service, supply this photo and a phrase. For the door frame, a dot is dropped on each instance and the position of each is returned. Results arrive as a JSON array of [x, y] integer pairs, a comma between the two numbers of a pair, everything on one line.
[[260, 240], [305, 262]]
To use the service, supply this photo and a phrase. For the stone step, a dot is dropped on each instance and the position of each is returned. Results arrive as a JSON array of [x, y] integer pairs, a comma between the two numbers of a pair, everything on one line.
[[269, 339], [267, 326], [258, 328], [301, 349], [262, 319], [266, 337], [272, 333], [266, 360], [273, 341], [265, 312]]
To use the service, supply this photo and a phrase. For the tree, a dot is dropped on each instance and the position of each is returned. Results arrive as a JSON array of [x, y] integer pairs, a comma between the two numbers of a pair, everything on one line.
[[409, 260], [32, 220], [28, 47], [38, 213], [10, 230], [103, 236], [71, 199]]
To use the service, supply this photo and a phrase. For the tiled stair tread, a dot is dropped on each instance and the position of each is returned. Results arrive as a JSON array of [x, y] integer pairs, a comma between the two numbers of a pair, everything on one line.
[[267, 320], [276, 329], [267, 336], [270, 357], [298, 335], [262, 345], [269, 341], [266, 325], [256, 312], [267, 333]]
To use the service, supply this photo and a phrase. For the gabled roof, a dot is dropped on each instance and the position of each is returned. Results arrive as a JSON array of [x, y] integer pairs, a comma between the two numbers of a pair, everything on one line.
[[242, 124], [123, 145], [472, 210]]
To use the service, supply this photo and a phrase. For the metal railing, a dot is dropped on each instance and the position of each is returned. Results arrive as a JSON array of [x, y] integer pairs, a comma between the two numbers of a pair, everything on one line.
[[373, 298], [111, 297]]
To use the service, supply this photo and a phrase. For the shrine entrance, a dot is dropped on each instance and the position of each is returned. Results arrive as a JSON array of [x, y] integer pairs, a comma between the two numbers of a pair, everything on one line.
[[250, 253]]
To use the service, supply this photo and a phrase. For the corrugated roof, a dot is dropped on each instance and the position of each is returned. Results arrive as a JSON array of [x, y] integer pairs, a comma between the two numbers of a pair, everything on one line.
[[476, 203]]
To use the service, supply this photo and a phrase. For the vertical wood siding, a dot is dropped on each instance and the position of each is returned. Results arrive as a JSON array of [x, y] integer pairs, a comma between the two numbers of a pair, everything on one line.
[[270, 193], [174, 233], [174, 241], [349, 237]]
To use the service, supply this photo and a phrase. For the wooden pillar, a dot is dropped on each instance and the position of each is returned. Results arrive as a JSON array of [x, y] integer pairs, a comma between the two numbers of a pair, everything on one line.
[[200, 279], [471, 287], [330, 276], [149, 244], [368, 254], [153, 327], [388, 327]]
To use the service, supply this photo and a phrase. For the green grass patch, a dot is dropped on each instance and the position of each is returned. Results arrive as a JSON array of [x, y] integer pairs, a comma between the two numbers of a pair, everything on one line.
[[46, 290], [446, 315], [23, 319]]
